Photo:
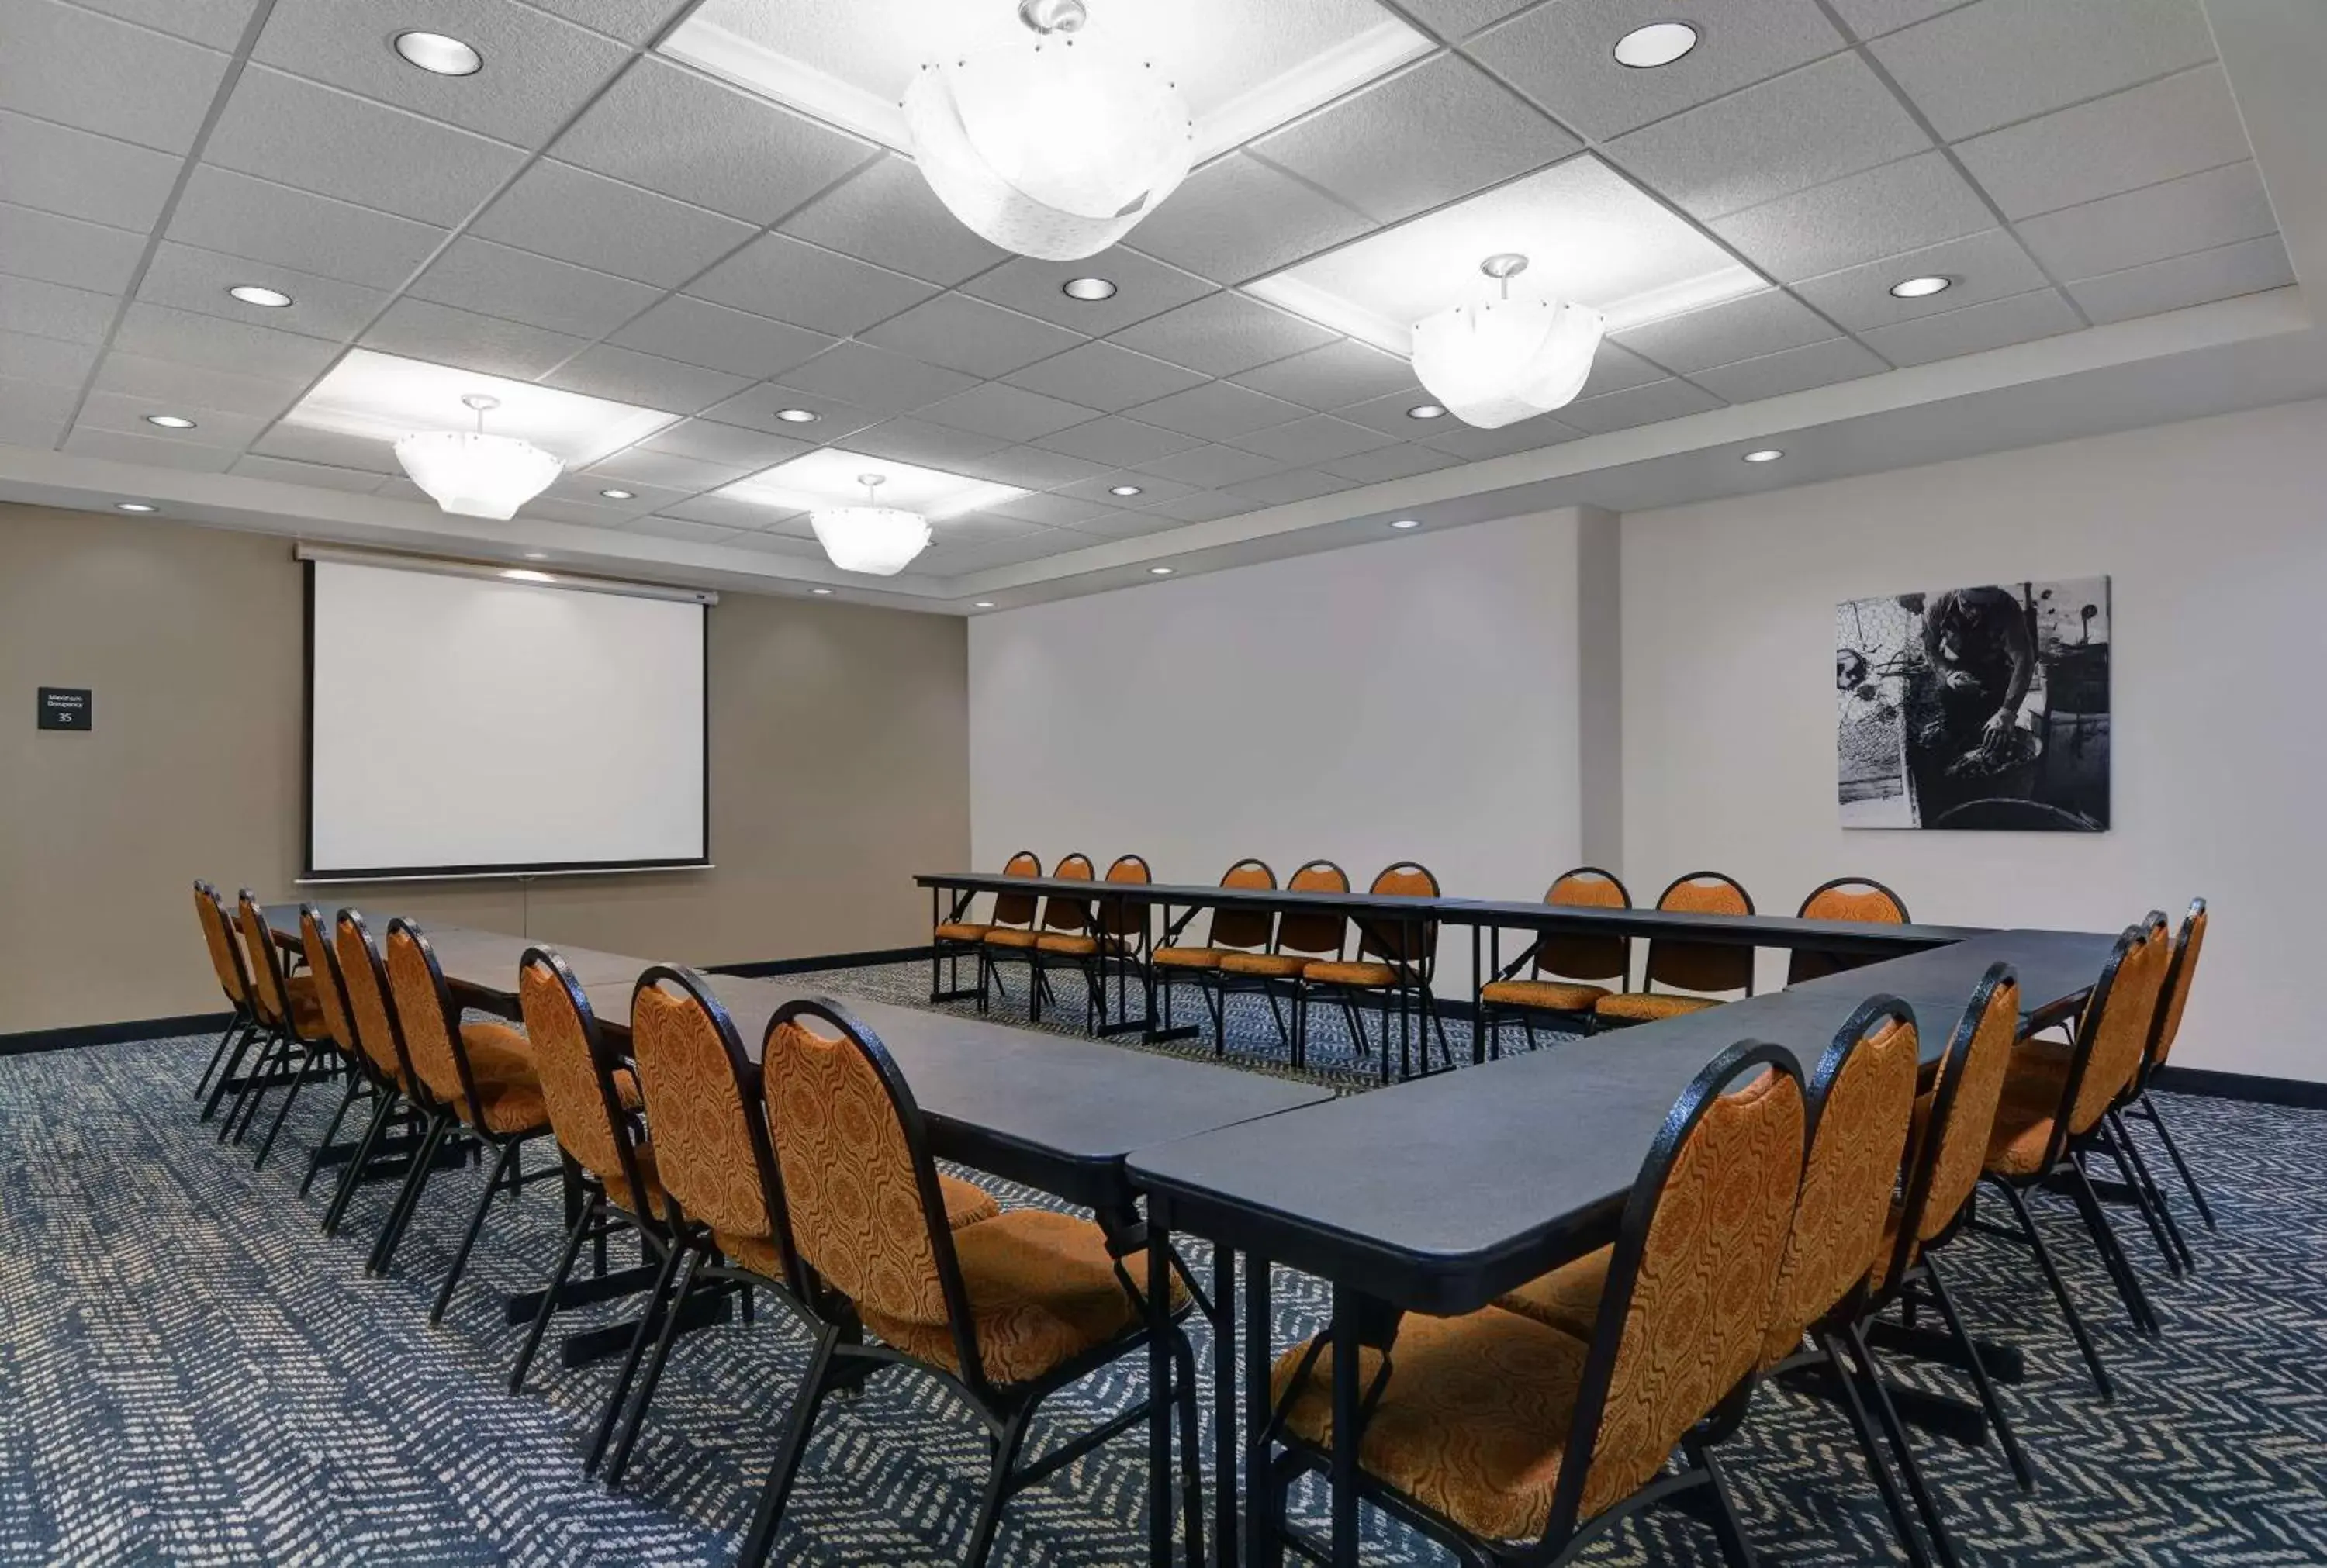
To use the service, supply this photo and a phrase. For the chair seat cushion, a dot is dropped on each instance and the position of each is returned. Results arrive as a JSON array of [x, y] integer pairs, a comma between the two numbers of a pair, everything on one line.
[[1363, 972], [2034, 1084], [1042, 1290], [1543, 995], [1068, 943], [1645, 1007], [1271, 965], [501, 1063], [962, 931], [1190, 957], [1473, 1421], [307, 1007], [648, 1205], [1011, 936], [1567, 1298]]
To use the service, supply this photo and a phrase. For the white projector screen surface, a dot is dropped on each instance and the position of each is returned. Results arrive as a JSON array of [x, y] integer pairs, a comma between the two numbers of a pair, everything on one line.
[[467, 724]]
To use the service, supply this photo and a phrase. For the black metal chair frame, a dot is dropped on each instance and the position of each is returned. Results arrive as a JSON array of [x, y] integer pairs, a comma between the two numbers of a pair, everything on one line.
[[287, 1058], [406, 1098], [1057, 912], [842, 1359], [1163, 976], [1414, 971], [238, 1027], [1118, 920], [1492, 1015], [987, 970], [946, 953], [1285, 993], [2136, 1101], [324, 965], [1667, 945], [1810, 964], [1700, 1487]]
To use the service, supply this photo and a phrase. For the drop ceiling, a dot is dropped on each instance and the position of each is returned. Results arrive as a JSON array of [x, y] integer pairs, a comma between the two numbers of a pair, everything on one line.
[[604, 213]]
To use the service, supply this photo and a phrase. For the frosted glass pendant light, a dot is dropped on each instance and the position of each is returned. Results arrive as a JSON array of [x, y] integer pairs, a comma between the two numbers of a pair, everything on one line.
[[1495, 362], [1053, 146], [873, 540], [473, 474]]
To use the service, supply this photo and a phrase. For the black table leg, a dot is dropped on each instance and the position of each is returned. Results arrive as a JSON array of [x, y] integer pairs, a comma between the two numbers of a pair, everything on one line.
[[1259, 1362], [1224, 1402], [1345, 1427], [1159, 1386]]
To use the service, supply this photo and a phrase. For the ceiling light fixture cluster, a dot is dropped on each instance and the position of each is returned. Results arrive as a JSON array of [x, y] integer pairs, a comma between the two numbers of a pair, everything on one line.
[[1502, 359], [472, 474], [877, 540]]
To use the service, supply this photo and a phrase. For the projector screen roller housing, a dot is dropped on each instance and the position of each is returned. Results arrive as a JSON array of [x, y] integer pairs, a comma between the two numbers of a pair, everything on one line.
[[465, 726]]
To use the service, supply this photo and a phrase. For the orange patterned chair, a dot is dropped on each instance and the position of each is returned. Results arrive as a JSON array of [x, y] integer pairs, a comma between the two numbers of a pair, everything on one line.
[[1392, 962], [234, 980], [371, 1014], [1113, 935], [1568, 970], [1690, 967], [1845, 898], [1509, 1440], [1302, 937], [1011, 944], [339, 1033], [954, 937], [1232, 931], [1005, 1311], [2187, 942], [290, 1016]]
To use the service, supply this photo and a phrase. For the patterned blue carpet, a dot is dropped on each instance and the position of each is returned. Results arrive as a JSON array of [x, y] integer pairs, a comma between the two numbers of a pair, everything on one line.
[[189, 1373]]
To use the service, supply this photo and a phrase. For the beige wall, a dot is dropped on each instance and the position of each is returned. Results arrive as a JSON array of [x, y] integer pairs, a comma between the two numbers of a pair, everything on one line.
[[839, 766]]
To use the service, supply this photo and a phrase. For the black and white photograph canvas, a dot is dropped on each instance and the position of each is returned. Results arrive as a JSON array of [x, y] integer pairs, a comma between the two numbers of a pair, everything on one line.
[[1975, 708]]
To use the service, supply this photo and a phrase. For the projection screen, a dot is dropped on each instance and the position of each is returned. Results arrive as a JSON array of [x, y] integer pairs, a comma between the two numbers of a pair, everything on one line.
[[473, 724]]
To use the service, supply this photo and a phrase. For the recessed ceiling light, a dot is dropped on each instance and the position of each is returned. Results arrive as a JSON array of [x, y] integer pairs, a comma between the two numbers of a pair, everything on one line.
[[1764, 455], [521, 574], [251, 293], [1916, 288], [134, 507], [820, 593], [619, 495], [984, 604], [1159, 571], [170, 420], [535, 555], [798, 415], [1407, 522], [1426, 411], [1122, 489], [1657, 43], [1092, 289], [433, 51]]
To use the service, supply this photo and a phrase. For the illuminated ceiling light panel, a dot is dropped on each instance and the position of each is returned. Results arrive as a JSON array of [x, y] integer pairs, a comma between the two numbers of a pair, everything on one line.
[[381, 398], [1242, 68], [829, 477], [1589, 236]]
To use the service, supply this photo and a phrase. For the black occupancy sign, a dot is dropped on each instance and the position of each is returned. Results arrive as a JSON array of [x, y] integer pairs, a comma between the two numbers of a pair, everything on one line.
[[64, 708]]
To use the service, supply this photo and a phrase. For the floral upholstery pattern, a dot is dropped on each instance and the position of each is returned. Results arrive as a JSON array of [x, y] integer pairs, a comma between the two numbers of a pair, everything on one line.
[[1310, 932], [1403, 880], [1364, 972], [1243, 927], [1544, 995], [1270, 966], [1642, 1007], [1568, 1297], [706, 1155], [2112, 1036], [1854, 902], [1581, 958], [1963, 1141], [220, 942], [962, 931], [1016, 908], [508, 1093], [1063, 914], [1068, 943], [267, 997], [1012, 936], [320, 964], [2177, 993], [1701, 965], [375, 1028], [571, 1087], [421, 1009], [1189, 957]]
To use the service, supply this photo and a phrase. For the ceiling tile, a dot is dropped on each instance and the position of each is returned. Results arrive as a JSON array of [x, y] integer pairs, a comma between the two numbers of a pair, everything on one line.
[[1431, 132], [989, 526], [877, 378], [321, 139], [679, 529], [1387, 462], [170, 382], [2001, 60], [40, 432], [771, 543], [237, 215], [538, 70], [214, 24], [1105, 375], [68, 65], [1974, 329], [2162, 131], [1031, 468], [1144, 287], [1218, 410], [1651, 405], [709, 442], [1116, 441], [1299, 484], [66, 250], [631, 21], [1212, 466], [1334, 377], [1739, 328], [1613, 369], [1801, 129], [1130, 524], [50, 360], [1007, 413], [556, 209], [754, 409], [971, 336], [777, 275], [1563, 56], [1202, 507], [697, 332], [2248, 266], [59, 169], [587, 490], [2195, 212], [1051, 511], [320, 476], [517, 286], [441, 335], [726, 512], [919, 442], [192, 279], [49, 310], [1456, 19], [1525, 435], [668, 469], [579, 513], [644, 380], [1319, 438], [1864, 217], [37, 401], [1223, 334], [126, 413], [89, 442], [1872, 18], [1101, 490], [1789, 370], [674, 131], [330, 447], [1985, 266], [887, 213], [1393, 417], [159, 332], [1236, 218]]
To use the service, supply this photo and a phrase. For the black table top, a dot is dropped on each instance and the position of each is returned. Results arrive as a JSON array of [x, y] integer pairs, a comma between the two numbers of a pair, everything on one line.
[[486, 962], [1440, 1194], [1058, 1113]]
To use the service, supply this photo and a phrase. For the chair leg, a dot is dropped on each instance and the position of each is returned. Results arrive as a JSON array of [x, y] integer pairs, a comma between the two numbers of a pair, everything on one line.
[[2173, 1151], [310, 1057], [383, 1251], [2144, 1198], [351, 1175], [631, 1429], [592, 1211], [1735, 1550], [648, 1320], [2060, 1291], [1893, 1502], [768, 1518], [2121, 1132], [249, 1030], [989, 1507], [2113, 1256], [246, 1098], [2021, 1469], [356, 1085], [1901, 1449], [218, 1055], [469, 1238], [1191, 1463]]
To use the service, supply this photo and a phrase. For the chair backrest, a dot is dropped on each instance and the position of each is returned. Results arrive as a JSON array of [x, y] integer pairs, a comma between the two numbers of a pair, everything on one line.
[[1692, 1277], [429, 1018], [1247, 929], [1703, 966], [1406, 879], [1018, 909], [576, 1072], [1943, 1169], [1592, 959], [1125, 918], [1069, 914], [1314, 930], [378, 1030], [1861, 1102], [860, 1187], [2175, 995], [2113, 1034], [331, 991], [226, 953], [269, 999], [703, 1102], [1845, 898]]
